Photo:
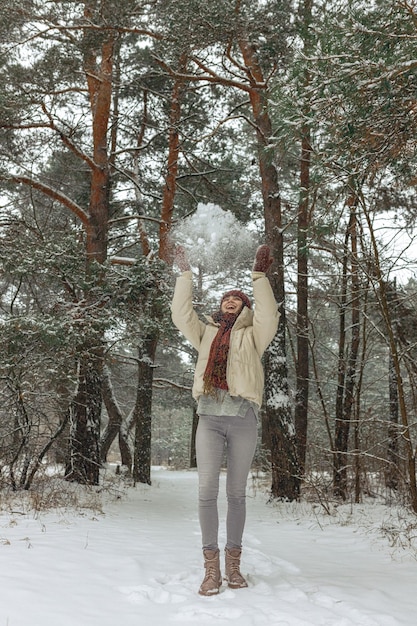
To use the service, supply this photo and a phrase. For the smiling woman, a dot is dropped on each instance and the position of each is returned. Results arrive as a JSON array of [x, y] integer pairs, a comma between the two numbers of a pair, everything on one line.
[[228, 386], [233, 301]]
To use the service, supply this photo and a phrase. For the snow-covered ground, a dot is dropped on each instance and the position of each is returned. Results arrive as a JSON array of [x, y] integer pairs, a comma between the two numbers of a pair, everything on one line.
[[139, 562]]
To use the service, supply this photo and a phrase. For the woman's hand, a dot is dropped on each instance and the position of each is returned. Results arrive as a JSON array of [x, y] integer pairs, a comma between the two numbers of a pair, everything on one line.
[[180, 259], [263, 259]]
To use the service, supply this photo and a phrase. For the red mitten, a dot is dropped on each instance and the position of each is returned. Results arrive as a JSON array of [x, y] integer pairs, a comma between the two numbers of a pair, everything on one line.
[[263, 259], [180, 259]]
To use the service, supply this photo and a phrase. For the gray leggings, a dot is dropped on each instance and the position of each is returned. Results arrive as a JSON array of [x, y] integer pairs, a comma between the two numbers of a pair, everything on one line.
[[239, 436]]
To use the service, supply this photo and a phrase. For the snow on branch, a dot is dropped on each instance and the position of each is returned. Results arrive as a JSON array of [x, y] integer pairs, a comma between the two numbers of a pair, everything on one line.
[[122, 260], [162, 383], [209, 76]]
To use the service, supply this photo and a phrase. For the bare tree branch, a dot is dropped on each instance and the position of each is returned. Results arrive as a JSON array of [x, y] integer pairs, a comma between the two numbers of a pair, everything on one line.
[[52, 193]]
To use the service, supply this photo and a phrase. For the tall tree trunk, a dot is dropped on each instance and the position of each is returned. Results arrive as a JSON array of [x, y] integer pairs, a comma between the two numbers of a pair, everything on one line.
[[302, 364], [147, 348], [143, 411], [85, 415], [174, 147], [341, 362], [114, 414], [117, 425], [342, 425], [392, 474], [113, 428], [84, 461], [285, 473], [125, 451]]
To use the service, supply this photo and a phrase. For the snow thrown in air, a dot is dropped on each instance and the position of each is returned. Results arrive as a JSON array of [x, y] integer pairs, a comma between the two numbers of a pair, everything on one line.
[[214, 239]]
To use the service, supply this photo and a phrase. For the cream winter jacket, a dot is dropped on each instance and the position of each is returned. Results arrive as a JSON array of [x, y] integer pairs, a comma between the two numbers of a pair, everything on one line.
[[251, 334]]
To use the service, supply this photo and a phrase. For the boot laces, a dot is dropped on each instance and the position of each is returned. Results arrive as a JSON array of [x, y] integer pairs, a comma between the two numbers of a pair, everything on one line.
[[211, 572]]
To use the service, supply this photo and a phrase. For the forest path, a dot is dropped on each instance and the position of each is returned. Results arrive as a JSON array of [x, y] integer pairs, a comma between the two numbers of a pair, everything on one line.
[[140, 562]]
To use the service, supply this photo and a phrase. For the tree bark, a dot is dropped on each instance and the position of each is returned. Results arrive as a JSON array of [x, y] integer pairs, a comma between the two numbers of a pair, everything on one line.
[[147, 348], [85, 416], [343, 422], [172, 163], [302, 364], [393, 473], [86, 406], [125, 451], [143, 411], [114, 414], [116, 426]]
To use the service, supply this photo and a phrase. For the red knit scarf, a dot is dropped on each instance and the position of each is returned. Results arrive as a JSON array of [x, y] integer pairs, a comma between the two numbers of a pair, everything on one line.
[[215, 374]]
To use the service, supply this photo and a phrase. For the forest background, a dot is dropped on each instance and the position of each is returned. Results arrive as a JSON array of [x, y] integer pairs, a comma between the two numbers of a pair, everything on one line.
[[129, 126]]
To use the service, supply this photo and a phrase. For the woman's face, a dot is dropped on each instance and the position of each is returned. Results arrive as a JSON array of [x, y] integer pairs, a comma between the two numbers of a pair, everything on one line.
[[231, 304]]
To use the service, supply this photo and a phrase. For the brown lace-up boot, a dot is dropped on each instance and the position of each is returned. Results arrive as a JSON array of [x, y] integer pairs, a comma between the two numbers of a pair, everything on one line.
[[213, 578], [233, 576]]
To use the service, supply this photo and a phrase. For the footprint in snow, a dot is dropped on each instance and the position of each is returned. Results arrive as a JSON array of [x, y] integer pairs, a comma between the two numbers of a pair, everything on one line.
[[143, 594]]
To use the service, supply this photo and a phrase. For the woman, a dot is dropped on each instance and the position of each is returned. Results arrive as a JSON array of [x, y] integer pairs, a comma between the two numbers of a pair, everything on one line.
[[228, 387]]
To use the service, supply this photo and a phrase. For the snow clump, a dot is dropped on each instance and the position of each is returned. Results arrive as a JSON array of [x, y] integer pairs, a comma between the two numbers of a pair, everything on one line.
[[215, 239]]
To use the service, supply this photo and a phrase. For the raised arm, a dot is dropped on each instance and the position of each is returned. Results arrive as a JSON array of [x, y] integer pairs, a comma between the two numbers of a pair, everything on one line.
[[266, 314], [183, 314]]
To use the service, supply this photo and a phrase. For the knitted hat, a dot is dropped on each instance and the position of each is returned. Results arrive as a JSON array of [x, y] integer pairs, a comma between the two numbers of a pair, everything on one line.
[[238, 294]]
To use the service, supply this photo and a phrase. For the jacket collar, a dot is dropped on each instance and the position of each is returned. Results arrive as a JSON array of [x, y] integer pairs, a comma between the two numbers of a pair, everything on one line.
[[244, 319]]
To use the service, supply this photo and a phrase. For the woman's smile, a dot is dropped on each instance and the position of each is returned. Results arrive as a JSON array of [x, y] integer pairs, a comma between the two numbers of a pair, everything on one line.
[[231, 304]]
